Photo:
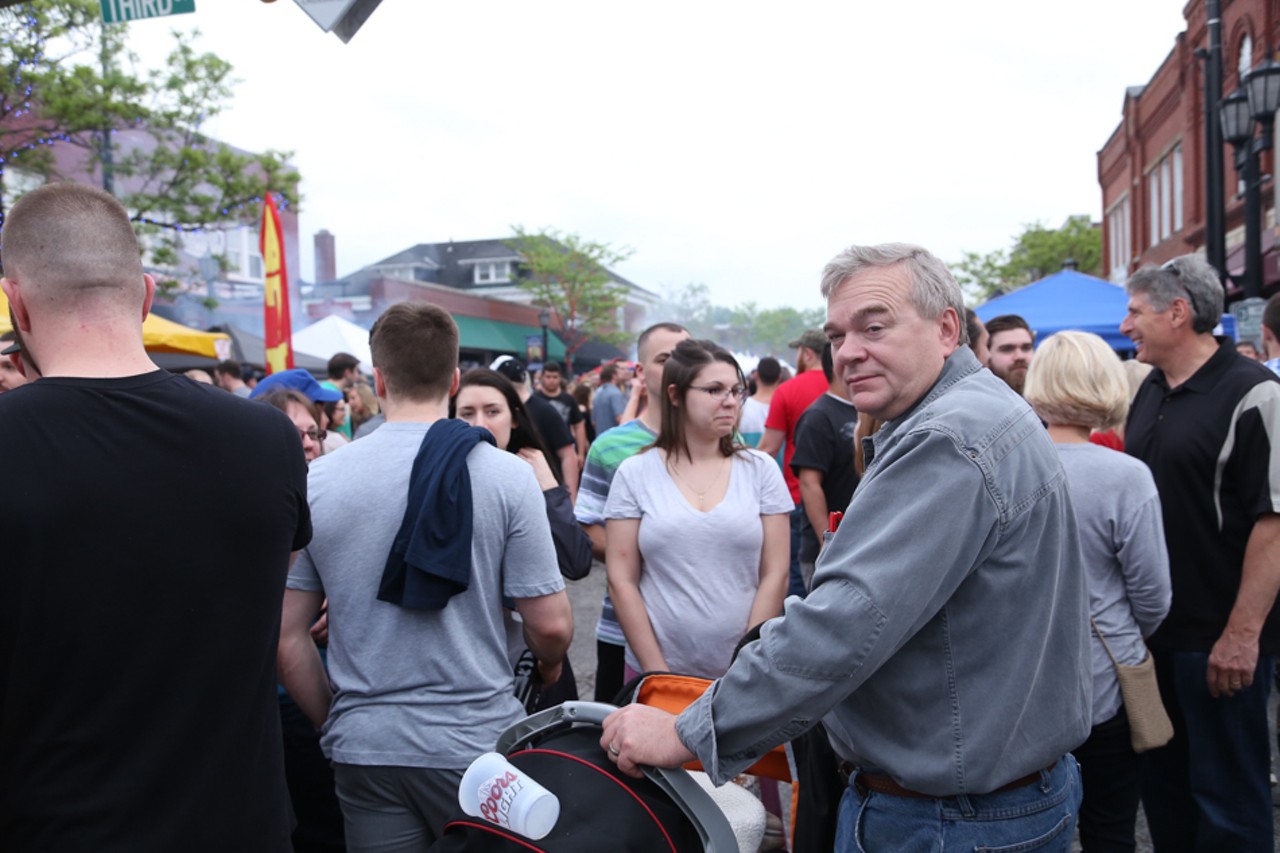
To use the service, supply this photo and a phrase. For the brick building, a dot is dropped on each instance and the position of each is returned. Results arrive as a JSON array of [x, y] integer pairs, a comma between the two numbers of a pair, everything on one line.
[[1152, 168]]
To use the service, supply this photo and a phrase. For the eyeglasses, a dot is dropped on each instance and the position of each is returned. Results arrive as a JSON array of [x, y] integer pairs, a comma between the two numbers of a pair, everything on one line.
[[313, 434], [1172, 267], [721, 393]]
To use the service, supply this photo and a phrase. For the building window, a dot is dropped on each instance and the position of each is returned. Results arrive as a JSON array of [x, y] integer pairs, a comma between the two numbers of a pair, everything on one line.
[[1244, 61], [1118, 239], [493, 272], [1164, 190], [1177, 188]]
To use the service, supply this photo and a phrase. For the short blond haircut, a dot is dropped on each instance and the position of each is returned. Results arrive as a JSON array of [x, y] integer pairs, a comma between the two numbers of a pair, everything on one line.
[[1075, 379]]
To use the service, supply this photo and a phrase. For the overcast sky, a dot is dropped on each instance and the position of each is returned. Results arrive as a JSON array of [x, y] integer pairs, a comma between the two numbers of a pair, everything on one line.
[[735, 144]]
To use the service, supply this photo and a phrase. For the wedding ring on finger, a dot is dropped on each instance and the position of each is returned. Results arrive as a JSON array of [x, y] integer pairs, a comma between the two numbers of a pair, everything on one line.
[[613, 750]]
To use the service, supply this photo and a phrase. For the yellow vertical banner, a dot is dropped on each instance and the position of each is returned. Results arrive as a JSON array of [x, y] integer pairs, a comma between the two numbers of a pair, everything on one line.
[[277, 331]]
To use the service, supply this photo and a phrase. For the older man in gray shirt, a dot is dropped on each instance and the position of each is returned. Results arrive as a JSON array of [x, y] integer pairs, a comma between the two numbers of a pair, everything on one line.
[[945, 642]]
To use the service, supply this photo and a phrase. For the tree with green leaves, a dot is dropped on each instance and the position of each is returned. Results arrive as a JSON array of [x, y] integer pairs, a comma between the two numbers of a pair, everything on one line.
[[692, 305], [65, 78], [570, 275], [1037, 252]]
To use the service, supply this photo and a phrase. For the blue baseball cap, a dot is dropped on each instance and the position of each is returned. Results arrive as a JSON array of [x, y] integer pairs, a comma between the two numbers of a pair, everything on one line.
[[296, 380]]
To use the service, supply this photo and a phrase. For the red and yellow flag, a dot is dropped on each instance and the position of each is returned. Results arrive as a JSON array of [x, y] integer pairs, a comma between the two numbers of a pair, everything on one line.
[[278, 336]]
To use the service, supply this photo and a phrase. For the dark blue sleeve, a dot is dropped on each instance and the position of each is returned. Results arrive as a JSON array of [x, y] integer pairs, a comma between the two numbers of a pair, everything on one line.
[[573, 547]]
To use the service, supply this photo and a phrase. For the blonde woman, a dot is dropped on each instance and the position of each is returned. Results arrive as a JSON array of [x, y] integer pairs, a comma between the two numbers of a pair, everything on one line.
[[1076, 384]]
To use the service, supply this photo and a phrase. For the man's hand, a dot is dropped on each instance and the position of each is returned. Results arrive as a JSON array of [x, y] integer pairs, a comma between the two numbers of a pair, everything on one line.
[[549, 674], [1232, 663], [640, 735], [320, 628]]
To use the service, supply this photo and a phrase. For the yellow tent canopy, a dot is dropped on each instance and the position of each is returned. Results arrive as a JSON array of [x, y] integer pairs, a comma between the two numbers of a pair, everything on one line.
[[161, 335]]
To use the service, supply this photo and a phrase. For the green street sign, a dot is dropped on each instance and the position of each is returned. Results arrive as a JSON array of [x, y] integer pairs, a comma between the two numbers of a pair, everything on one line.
[[123, 11]]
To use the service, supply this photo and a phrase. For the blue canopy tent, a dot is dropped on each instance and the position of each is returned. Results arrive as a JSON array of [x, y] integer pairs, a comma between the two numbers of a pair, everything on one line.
[[1066, 300]]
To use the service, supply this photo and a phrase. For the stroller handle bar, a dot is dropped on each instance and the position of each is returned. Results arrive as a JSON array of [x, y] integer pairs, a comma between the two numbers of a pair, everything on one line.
[[712, 826]]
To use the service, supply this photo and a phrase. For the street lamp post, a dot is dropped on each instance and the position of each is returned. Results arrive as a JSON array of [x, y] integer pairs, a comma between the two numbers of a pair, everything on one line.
[[544, 317], [1255, 103], [1214, 214]]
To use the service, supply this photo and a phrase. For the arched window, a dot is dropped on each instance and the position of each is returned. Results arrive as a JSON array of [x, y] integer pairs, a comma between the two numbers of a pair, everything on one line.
[[1245, 60]]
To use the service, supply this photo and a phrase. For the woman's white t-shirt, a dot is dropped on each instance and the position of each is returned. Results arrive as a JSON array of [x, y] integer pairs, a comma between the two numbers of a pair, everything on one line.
[[699, 570]]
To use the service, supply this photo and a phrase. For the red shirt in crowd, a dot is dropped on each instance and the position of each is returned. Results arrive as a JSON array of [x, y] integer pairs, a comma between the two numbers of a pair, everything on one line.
[[788, 404]]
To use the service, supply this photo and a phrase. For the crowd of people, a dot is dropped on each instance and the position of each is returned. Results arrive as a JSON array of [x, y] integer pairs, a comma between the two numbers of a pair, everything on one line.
[[948, 550]]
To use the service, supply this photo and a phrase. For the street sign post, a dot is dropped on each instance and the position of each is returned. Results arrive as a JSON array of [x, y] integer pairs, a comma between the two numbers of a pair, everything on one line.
[[123, 11]]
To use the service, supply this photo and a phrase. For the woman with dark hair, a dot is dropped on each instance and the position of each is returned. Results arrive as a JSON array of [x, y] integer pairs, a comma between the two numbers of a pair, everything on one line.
[[582, 396], [487, 399], [698, 535], [335, 415]]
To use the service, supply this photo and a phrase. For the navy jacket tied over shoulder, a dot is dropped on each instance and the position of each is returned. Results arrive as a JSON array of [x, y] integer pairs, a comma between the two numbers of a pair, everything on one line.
[[430, 559]]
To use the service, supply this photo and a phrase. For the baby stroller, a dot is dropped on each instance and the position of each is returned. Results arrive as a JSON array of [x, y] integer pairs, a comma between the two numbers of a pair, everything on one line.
[[601, 808]]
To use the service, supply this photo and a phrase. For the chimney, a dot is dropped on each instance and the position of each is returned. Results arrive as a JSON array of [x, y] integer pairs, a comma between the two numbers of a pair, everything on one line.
[[326, 258]]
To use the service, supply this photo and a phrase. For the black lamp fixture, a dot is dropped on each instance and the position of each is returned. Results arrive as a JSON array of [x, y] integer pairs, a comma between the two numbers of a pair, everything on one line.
[[1237, 123], [544, 317], [1262, 86], [1255, 102]]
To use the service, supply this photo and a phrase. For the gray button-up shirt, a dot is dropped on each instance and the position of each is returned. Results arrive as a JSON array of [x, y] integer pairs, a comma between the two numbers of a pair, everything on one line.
[[946, 639]]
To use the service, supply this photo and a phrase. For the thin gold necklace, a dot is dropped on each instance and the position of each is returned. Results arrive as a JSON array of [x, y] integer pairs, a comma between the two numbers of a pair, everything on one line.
[[702, 495]]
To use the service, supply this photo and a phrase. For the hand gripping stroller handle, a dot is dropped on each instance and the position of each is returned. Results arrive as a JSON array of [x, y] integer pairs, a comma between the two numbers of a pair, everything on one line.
[[712, 826]]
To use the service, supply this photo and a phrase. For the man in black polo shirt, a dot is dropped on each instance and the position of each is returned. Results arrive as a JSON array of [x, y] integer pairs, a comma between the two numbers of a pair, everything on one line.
[[1205, 420]]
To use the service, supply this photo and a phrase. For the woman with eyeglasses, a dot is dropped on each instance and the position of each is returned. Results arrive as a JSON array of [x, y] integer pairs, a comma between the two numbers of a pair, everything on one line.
[[698, 535]]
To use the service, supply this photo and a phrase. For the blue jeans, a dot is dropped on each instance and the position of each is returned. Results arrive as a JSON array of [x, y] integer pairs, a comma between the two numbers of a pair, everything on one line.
[[1210, 788], [795, 584], [1039, 816]]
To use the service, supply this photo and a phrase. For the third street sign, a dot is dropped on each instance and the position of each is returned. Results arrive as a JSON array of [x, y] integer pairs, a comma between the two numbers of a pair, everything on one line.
[[122, 11]]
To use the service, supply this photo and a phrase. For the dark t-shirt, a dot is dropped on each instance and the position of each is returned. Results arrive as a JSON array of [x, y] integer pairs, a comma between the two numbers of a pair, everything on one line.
[[566, 406], [555, 432], [146, 532], [824, 442], [1210, 445]]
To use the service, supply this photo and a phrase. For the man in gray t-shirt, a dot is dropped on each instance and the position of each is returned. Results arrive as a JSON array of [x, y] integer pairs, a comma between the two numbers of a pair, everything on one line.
[[416, 694]]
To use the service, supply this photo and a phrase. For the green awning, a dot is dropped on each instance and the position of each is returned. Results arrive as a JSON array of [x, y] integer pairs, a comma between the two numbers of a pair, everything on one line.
[[499, 337], [474, 333]]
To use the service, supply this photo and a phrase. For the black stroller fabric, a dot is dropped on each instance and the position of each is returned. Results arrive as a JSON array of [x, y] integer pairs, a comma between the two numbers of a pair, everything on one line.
[[600, 807]]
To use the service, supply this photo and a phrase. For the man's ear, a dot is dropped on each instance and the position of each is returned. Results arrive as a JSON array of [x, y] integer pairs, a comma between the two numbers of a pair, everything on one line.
[[1179, 312], [13, 292], [949, 328], [457, 378], [150, 283], [379, 385]]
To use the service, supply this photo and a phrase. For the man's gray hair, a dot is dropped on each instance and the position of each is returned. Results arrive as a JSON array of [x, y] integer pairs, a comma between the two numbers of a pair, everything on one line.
[[933, 289], [1188, 277]]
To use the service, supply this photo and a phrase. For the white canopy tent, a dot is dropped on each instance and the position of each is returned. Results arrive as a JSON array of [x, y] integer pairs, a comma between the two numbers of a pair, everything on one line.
[[325, 338]]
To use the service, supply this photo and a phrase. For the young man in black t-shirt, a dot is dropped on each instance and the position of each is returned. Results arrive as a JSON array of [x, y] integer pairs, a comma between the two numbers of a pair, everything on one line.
[[137, 648], [551, 387], [823, 462]]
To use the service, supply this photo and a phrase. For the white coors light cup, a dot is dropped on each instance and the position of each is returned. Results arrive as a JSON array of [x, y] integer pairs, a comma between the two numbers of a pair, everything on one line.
[[495, 790]]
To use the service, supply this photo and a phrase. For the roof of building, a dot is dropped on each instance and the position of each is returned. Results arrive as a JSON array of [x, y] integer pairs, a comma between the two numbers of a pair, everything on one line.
[[452, 263]]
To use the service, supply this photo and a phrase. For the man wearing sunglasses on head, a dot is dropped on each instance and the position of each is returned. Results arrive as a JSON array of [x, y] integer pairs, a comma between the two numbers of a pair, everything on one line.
[[1206, 420]]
